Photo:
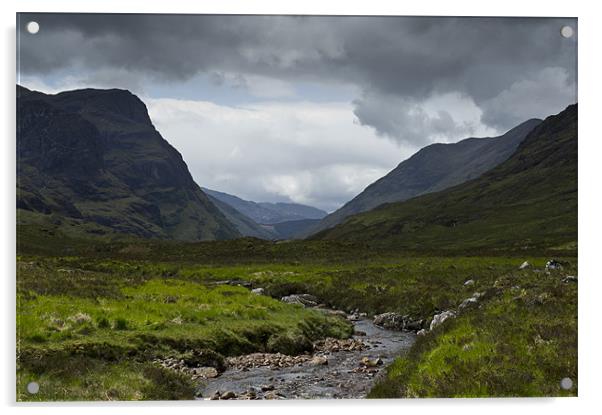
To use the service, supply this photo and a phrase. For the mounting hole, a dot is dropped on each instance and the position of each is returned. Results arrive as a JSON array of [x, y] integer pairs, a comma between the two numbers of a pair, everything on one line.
[[33, 27], [566, 32], [33, 387], [566, 384]]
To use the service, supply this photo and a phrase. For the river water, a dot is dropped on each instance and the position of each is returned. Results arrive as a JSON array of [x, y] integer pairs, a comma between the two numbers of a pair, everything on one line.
[[343, 377]]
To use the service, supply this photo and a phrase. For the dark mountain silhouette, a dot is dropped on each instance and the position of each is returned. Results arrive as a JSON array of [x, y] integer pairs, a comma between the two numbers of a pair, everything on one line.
[[91, 162]]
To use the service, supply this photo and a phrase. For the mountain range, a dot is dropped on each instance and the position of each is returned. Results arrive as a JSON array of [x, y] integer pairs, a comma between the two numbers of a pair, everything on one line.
[[264, 219], [528, 201], [433, 168], [90, 162]]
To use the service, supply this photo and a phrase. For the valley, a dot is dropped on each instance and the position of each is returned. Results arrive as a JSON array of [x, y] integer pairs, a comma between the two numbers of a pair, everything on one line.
[[134, 283]]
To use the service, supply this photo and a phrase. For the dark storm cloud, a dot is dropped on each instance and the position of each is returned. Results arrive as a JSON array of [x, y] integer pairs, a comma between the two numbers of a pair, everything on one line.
[[411, 58]]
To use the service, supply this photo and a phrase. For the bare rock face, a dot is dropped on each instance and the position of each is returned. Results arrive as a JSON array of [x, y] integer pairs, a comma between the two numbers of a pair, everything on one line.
[[93, 156]]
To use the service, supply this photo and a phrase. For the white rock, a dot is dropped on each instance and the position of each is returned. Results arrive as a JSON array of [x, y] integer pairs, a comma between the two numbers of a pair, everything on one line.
[[524, 265], [438, 319]]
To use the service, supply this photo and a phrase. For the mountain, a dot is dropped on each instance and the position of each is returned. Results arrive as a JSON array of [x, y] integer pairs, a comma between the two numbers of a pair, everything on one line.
[[267, 213], [293, 229], [244, 224], [528, 201], [433, 168], [90, 162]]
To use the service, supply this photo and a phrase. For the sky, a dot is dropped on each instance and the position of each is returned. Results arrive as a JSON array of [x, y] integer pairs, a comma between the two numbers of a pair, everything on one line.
[[308, 109]]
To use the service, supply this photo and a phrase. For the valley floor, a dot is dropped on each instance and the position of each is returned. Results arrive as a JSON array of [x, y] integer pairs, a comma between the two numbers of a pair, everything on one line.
[[106, 325]]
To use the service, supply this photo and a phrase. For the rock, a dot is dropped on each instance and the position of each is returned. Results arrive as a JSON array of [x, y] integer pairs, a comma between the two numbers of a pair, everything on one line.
[[319, 360], [359, 333], [570, 278], [469, 282], [228, 395], [272, 395], [367, 362], [306, 300], [216, 395], [524, 265], [415, 325], [205, 372], [258, 291], [438, 319], [390, 321], [330, 345], [421, 332], [470, 302], [266, 388], [553, 265]]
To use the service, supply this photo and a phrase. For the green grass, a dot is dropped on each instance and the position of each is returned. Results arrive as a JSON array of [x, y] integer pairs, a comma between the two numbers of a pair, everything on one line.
[[77, 325], [521, 342], [101, 315]]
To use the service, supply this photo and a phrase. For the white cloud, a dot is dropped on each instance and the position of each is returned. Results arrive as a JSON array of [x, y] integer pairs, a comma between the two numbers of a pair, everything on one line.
[[544, 93], [305, 152]]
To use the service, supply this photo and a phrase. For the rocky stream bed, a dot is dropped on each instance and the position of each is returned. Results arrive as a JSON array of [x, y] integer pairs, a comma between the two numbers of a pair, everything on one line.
[[336, 369]]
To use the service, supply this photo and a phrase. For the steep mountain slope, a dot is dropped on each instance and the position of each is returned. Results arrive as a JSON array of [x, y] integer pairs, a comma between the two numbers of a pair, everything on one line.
[[268, 213], [244, 224], [91, 162], [293, 229], [433, 168], [530, 200]]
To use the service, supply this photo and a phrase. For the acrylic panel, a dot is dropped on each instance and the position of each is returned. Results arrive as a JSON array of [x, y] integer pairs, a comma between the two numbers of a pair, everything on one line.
[[220, 207]]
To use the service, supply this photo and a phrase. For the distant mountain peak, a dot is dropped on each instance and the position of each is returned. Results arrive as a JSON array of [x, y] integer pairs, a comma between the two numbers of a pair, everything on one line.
[[268, 213]]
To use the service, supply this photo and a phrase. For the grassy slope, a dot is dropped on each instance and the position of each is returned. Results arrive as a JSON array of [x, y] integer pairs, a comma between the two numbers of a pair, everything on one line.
[[135, 288], [521, 342], [528, 201], [100, 324]]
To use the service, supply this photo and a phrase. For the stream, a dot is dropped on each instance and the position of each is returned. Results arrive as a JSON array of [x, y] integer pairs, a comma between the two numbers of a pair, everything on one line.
[[328, 374]]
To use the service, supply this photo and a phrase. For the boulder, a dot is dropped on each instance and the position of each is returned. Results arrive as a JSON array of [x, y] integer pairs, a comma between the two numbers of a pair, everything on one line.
[[306, 300], [228, 395], [469, 282], [468, 303], [205, 372], [570, 278], [319, 361], [421, 332], [524, 265], [415, 325], [438, 319], [390, 321], [553, 265], [258, 291], [367, 362]]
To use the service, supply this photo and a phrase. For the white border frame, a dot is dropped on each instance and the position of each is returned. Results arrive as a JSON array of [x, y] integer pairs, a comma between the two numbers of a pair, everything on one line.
[[590, 149]]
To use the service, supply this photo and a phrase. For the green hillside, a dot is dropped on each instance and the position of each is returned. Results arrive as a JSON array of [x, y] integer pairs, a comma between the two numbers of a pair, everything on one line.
[[529, 201]]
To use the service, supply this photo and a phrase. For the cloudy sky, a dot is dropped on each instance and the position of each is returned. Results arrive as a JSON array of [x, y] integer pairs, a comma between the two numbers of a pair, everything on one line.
[[308, 109]]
